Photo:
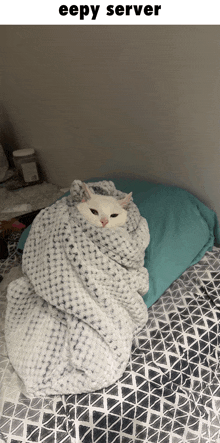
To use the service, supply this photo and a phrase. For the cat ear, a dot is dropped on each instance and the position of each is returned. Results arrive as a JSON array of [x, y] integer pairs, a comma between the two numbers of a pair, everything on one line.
[[87, 191], [124, 202]]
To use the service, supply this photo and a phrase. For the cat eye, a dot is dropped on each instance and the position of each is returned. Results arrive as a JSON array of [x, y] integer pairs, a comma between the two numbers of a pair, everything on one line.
[[94, 211], [114, 215]]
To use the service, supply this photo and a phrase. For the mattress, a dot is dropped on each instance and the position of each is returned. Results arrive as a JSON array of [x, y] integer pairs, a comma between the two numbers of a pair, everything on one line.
[[169, 392]]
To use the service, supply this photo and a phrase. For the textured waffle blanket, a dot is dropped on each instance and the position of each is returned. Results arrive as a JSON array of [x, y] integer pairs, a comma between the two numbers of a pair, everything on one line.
[[72, 316]]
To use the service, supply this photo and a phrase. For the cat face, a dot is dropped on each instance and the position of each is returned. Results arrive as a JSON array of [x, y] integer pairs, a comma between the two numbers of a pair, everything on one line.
[[103, 211]]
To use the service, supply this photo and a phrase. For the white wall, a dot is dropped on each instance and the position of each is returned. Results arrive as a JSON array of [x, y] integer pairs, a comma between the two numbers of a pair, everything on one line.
[[127, 99]]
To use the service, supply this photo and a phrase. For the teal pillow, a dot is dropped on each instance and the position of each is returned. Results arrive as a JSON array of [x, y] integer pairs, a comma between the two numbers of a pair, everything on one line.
[[181, 228]]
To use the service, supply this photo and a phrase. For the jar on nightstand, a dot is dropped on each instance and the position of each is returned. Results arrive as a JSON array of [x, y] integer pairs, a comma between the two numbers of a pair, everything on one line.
[[25, 161]]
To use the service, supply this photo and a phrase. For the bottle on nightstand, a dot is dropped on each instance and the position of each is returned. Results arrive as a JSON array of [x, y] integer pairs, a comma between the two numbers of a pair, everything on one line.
[[27, 167]]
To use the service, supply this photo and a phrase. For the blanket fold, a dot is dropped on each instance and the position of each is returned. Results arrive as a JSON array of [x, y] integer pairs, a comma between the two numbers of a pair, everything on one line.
[[71, 317]]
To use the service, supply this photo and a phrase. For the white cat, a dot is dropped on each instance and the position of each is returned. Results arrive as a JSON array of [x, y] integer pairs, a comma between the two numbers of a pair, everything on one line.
[[104, 211]]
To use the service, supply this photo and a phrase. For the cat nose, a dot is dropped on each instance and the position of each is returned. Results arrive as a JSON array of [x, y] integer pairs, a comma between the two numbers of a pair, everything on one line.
[[104, 221]]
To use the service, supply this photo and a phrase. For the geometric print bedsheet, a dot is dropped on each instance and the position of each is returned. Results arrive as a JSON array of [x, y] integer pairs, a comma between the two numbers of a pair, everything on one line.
[[169, 392]]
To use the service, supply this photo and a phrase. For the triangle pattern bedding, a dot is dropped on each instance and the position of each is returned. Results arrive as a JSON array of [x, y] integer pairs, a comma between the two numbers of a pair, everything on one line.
[[168, 393]]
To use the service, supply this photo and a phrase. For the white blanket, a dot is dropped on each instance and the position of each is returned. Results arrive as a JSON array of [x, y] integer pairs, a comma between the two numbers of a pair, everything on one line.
[[72, 316]]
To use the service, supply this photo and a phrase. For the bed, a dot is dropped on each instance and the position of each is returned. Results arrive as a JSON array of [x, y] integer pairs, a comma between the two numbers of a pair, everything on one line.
[[170, 390]]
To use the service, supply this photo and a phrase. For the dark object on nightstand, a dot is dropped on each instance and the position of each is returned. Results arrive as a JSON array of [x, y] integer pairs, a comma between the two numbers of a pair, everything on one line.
[[3, 249], [27, 219]]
